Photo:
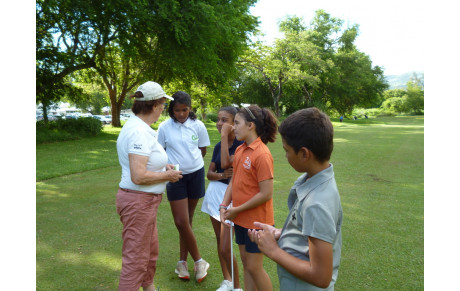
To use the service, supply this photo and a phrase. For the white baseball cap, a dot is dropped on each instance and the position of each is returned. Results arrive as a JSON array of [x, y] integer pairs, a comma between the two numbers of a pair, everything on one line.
[[151, 91]]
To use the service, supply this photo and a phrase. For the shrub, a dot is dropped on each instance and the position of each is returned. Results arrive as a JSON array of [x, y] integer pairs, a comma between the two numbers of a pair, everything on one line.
[[387, 113], [211, 116], [67, 129]]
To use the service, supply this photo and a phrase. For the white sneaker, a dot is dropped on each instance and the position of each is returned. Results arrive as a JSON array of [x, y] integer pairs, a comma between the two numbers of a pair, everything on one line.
[[182, 270], [225, 286], [201, 269]]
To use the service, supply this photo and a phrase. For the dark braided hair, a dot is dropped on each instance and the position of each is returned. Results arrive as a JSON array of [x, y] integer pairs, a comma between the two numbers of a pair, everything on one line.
[[181, 97], [229, 109]]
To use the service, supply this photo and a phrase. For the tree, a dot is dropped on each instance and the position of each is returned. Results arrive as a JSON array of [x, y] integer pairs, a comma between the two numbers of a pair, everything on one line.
[[394, 104], [285, 63], [399, 93], [95, 98], [415, 95], [352, 80], [129, 42], [69, 35]]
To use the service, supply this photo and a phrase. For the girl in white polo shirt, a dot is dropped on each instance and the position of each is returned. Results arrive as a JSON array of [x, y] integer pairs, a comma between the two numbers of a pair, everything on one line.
[[185, 139]]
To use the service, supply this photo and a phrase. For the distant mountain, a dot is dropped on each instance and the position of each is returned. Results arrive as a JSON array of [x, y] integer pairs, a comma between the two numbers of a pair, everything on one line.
[[400, 81]]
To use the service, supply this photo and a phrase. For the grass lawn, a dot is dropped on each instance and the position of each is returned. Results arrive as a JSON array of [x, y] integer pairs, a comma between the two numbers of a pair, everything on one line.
[[378, 163]]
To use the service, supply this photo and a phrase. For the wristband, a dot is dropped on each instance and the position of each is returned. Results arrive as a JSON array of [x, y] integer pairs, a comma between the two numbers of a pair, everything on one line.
[[223, 206]]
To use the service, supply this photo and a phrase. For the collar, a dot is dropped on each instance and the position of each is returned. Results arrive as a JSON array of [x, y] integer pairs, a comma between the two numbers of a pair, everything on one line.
[[254, 144], [177, 124], [304, 184]]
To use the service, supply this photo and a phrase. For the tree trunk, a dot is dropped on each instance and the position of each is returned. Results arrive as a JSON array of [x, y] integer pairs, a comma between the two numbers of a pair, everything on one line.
[[45, 112], [307, 95], [115, 114], [203, 108], [113, 104], [276, 97], [277, 105]]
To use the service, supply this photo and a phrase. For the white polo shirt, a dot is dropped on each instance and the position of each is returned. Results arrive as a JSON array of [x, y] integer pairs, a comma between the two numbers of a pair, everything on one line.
[[182, 142], [136, 137]]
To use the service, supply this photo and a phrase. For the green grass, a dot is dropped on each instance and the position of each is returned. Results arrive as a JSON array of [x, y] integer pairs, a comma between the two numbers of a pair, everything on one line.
[[379, 166]]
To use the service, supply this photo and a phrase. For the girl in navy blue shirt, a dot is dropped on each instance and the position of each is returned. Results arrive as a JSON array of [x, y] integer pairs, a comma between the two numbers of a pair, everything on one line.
[[219, 173]]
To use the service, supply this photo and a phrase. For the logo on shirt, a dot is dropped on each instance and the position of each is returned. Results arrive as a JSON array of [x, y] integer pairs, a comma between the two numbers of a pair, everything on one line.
[[137, 146], [194, 137], [247, 163]]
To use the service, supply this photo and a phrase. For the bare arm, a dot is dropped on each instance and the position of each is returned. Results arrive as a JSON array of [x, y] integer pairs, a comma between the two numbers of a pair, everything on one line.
[[212, 175], [265, 194], [203, 151], [226, 160], [141, 176], [211, 171], [317, 271], [227, 200]]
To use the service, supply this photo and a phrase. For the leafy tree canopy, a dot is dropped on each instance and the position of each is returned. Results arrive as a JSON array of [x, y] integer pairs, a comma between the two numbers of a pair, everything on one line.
[[129, 42]]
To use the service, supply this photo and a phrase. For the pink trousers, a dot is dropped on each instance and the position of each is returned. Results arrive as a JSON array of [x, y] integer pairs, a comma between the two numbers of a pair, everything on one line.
[[138, 214]]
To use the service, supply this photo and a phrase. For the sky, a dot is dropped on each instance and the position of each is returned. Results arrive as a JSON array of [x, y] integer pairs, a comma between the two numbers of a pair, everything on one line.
[[390, 32]]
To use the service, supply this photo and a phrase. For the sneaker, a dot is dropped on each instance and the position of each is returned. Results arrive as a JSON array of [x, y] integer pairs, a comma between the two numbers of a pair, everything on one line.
[[225, 286], [201, 269], [182, 270]]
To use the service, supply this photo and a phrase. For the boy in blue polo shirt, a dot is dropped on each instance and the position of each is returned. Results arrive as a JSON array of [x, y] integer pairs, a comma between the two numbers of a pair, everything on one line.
[[309, 244]]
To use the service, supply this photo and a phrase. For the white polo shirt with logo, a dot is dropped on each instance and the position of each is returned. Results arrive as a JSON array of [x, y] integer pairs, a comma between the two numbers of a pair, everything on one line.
[[182, 142], [137, 137]]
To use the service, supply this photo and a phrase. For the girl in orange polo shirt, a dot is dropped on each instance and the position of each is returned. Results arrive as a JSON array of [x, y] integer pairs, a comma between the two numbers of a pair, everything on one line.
[[251, 188]]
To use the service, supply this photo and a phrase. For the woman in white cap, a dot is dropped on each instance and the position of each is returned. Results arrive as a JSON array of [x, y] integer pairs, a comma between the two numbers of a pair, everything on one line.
[[145, 173]]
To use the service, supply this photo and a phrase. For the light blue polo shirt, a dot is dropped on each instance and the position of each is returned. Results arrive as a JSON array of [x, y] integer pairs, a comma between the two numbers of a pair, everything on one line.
[[182, 142], [315, 211]]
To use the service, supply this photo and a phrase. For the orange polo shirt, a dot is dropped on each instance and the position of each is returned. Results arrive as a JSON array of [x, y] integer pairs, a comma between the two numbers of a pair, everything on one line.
[[252, 164]]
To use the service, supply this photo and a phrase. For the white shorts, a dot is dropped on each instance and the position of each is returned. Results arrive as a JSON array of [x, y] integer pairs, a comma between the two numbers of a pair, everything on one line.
[[213, 198]]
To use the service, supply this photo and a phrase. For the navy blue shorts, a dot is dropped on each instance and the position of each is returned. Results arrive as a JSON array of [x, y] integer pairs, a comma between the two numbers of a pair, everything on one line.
[[191, 186], [242, 238]]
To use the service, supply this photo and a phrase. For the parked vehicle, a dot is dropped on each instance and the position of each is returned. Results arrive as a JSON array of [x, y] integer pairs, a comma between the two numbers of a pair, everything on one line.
[[50, 117], [103, 118], [72, 116], [124, 116]]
